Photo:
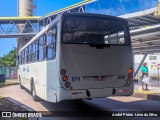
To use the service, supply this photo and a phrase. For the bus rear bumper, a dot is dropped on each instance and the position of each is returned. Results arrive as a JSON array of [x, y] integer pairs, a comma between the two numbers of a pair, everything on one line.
[[94, 93]]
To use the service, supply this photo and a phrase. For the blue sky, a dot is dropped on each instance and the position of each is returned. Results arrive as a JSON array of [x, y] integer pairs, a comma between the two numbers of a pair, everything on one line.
[[9, 8], [111, 7]]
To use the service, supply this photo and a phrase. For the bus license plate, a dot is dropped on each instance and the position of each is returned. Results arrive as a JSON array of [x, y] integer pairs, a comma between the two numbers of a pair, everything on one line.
[[98, 78]]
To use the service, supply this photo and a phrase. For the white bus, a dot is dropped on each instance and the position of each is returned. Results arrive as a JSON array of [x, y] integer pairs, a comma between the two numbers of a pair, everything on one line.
[[77, 56]]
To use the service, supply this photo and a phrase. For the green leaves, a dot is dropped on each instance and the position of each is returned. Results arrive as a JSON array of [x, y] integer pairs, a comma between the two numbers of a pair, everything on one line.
[[9, 59]]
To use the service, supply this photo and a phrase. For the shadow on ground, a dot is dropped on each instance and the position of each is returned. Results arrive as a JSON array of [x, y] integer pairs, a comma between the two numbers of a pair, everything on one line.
[[9, 104]]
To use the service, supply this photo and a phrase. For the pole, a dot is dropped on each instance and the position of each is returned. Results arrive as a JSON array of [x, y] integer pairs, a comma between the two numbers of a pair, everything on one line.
[[144, 57]]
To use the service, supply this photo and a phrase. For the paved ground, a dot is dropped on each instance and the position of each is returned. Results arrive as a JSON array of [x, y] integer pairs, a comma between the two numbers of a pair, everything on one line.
[[21, 96], [154, 87], [101, 104], [7, 105], [153, 93]]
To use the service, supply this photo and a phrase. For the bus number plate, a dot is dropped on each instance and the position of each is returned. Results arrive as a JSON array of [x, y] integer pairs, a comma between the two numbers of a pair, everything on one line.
[[98, 78], [75, 79]]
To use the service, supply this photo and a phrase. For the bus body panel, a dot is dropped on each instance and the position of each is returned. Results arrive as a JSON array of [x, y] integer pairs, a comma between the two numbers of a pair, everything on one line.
[[84, 63], [45, 85], [52, 81], [94, 93], [37, 71]]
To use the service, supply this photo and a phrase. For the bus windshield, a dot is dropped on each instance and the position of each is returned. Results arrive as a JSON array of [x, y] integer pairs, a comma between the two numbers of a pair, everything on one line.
[[94, 30]]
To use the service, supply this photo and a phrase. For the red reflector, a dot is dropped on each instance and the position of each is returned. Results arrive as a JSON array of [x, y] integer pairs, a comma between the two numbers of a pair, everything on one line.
[[64, 78], [74, 93], [123, 91], [63, 71], [130, 70]]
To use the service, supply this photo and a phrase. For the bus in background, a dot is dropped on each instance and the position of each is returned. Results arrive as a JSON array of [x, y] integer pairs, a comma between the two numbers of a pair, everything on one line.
[[77, 56]]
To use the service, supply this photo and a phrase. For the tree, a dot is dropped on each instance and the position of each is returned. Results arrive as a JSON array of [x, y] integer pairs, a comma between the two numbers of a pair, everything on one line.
[[9, 59]]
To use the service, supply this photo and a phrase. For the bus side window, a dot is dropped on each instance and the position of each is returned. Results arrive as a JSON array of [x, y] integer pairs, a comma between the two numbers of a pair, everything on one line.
[[36, 50], [51, 43], [20, 60], [26, 55], [42, 45], [30, 53], [33, 52], [23, 57]]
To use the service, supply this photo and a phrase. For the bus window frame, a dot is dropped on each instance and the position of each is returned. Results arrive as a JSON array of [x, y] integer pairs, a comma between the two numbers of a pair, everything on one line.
[[124, 21], [26, 53], [43, 38], [53, 43]]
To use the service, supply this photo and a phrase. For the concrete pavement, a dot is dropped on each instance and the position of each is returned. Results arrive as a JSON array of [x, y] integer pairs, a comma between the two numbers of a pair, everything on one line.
[[21, 96], [129, 103], [153, 93], [153, 86], [115, 103]]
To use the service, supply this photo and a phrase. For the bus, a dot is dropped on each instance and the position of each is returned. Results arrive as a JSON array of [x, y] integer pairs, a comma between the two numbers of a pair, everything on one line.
[[78, 56]]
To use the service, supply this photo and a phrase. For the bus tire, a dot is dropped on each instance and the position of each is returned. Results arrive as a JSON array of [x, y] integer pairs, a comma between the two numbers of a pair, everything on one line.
[[21, 86], [33, 92]]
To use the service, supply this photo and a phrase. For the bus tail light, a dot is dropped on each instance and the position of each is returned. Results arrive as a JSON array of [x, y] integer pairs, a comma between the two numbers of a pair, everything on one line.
[[130, 70], [65, 78], [129, 81], [76, 93], [62, 71], [67, 84], [123, 91], [129, 76]]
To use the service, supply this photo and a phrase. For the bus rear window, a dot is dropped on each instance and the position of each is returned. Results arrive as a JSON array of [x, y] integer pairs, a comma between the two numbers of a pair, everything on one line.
[[94, 30]]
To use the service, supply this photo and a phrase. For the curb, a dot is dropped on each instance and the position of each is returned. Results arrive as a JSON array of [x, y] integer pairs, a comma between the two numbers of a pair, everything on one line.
[[9, 85], [140, 95], [155, 96]]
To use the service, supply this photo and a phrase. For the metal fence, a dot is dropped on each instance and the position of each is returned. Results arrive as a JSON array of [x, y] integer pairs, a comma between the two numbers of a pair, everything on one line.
[[10, 72]]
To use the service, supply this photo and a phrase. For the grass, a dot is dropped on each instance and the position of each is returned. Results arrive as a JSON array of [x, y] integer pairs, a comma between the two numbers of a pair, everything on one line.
[[8, 83]]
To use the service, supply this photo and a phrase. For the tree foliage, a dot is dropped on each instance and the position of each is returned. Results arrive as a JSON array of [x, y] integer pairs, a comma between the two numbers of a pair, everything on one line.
[[9, 59]]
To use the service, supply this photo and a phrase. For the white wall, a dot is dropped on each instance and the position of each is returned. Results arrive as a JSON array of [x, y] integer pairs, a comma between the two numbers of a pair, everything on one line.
[[152, 64]]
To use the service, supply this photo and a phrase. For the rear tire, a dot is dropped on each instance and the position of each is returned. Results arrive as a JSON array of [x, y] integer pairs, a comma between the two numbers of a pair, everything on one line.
[[33, 92]]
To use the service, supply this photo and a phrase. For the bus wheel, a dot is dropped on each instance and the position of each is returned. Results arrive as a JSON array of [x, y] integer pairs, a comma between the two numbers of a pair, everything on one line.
[[21, 86], [33, 92]]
